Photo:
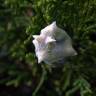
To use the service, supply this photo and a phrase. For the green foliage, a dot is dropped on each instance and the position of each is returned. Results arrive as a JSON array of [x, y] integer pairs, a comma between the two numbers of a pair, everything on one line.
[[20, 19]]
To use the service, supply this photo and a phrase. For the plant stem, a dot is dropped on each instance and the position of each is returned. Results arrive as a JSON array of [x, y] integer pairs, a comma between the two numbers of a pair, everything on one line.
[[41, 81]]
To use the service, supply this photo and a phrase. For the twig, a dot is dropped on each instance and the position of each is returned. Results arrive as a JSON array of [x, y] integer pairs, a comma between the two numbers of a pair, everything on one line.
[[41, 81]]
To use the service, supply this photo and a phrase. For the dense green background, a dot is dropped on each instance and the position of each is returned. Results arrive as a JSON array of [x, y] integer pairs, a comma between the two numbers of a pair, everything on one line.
[[20, 75]]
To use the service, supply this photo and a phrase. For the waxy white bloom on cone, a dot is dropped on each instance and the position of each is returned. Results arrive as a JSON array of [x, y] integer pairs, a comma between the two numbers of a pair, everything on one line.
[[53, 45]]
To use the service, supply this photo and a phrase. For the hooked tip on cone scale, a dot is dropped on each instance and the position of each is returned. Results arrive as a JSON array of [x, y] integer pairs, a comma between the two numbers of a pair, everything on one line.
[[38, 38], [40, 56], [49, 40], [75, 53], [54, 22]]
